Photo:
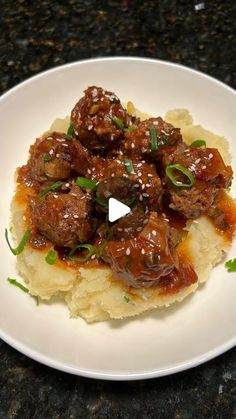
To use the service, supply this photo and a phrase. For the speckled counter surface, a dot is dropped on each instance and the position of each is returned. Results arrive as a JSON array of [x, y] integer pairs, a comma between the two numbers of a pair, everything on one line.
[[37, 35]]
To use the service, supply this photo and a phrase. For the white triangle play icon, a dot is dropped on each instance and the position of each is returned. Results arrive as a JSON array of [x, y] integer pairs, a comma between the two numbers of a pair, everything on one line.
[[116, 209]]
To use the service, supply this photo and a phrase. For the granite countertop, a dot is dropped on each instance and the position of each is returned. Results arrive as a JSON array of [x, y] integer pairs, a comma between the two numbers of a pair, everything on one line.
[[36, 36]]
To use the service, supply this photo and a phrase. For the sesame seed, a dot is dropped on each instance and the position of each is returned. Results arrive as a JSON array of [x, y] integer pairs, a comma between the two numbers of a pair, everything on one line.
[[128, 251], [210, 156], [150, 175], [139, 165], [148, 185], [65, 145], [89, 171], [93, 256], [136, 185], [154, 233], [203, 167], [143, 251], [139, 174], [132, 145], [197, 161], [143, 187], [67, 185], [51, 152], [75, 216], [66, 216], [145, 195], [140, 198], [24, 217]]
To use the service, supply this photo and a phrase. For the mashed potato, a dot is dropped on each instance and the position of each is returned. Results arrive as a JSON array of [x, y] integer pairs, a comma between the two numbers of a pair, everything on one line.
[[93, 293]]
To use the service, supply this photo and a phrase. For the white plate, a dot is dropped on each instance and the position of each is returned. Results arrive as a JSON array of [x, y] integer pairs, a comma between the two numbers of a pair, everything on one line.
[[154, 344]]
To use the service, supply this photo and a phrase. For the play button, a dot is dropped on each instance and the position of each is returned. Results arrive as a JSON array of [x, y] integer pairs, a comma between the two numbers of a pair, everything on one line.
[[116, 210]]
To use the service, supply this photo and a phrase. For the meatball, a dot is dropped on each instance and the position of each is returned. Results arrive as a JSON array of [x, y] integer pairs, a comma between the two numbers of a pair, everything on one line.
[[64, 219], [95, 116], [192, 202], [142, 260], [139, 142], [209, 173], [146, 184], [51, 157], [119, 188]]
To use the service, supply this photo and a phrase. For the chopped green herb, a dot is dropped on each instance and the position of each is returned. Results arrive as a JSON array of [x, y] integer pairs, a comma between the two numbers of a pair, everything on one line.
[[118, 122], [19, 249], [91, 251], [153, 135], [83, 182], [51, 187], [102, 202], [47, 158], [198, 143], [70, 132], [231, 265], [17, 284], [127, 299], [129, 166], [131, 200], [51, 257], [36, 298], [102, 248], [178, 167], [131, 128]]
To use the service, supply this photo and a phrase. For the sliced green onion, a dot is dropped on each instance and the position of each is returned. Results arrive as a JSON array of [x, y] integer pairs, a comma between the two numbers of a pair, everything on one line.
[[131, 200], [131, 128], [51, 257], [102, 248], [19, 249], [70, 132], [47, 158], [102, 202], [198, 143], [118, 122], [129, 166], [169, 172], [17, 284], [231, 265], [51, 187], [127, 299], [153, 135], [91, 251], [83, 182]]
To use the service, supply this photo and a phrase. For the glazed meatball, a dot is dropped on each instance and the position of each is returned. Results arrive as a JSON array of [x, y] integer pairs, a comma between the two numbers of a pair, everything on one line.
[[95, 116], [65, 219], [209, 174], [51, 157], [142, 260], [139, 140]]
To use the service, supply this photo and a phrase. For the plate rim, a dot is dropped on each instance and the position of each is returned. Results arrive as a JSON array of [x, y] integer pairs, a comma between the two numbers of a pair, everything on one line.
[[49, 361]]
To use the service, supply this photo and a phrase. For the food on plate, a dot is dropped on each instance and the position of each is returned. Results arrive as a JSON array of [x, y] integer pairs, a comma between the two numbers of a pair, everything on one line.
[[173, 175]]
